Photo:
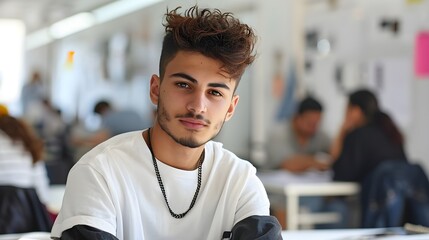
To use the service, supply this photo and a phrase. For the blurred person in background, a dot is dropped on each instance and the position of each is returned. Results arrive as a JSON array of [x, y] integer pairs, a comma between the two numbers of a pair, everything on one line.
[[21, 156], [54, 132], [23, 178], [300, 146], [3, 110], [368, 136], [369, 150], [113, 122], [117, 121], [32, 94]]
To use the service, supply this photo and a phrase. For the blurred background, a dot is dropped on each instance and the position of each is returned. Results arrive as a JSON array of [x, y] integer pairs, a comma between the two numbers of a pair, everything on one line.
[[85, 51]]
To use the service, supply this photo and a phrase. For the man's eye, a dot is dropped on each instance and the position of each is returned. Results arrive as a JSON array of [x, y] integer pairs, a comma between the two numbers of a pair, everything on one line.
[[182, 85], [215, 93]]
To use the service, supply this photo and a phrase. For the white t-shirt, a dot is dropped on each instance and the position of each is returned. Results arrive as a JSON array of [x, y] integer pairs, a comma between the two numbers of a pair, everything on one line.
[[17, 168], [114, 188]]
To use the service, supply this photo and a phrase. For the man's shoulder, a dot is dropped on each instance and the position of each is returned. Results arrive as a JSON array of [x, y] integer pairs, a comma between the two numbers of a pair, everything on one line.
[[227, 159], [120, 143], [217, 149]]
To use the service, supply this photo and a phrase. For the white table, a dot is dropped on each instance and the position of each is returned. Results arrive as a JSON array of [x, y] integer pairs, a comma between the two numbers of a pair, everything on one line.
[[27, 236], [294, 186], [347, 234]]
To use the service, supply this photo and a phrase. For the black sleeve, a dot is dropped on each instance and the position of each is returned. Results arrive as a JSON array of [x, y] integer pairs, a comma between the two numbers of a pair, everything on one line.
[[84, 232], [258, 228]]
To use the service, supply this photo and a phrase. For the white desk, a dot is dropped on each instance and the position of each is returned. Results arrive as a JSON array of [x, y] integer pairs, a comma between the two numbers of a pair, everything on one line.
[[347, 234], [27, 236], [294, 186]]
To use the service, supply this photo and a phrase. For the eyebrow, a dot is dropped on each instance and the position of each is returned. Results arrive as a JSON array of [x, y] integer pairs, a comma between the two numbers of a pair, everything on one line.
[[186, 76]]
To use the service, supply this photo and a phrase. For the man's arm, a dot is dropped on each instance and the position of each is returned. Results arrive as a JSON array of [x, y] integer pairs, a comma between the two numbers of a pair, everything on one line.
[[302, 163], [256, 227], [87, 201], [83, 232]]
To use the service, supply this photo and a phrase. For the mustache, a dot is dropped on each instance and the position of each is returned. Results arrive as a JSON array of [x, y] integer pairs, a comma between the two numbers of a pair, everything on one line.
[[194, 116]]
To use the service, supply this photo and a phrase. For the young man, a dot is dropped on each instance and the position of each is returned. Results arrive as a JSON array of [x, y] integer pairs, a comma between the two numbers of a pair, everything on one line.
[[171, 181]]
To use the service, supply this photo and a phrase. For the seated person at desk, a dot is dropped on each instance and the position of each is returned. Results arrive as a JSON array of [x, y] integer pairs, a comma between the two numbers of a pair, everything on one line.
[[300, 146], [369, 148], [21, 153], [171, 181], [24, 181], [367, 137], [113, 122]]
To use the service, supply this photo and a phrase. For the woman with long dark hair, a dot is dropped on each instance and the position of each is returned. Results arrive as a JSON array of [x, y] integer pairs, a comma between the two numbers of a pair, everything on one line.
[[21, 157], [367, 138], [23, 179], [370, 150]]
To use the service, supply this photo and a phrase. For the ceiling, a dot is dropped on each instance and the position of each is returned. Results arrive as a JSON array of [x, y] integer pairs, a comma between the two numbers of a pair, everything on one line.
[[37, 14]]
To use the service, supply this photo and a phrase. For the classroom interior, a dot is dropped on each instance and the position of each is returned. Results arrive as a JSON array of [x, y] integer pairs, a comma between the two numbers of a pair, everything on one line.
[[86, 51]]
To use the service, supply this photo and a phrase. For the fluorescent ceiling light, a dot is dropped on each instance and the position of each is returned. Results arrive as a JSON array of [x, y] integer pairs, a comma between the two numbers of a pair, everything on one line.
[[70, 25], [37, 39], [84, 20], [120, 8]]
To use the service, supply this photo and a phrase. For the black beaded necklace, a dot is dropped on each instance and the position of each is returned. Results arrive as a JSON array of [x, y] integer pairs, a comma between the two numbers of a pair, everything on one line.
[[161, 185]]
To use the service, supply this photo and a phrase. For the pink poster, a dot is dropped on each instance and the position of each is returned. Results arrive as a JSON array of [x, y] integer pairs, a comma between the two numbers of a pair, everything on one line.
[[421, 61]]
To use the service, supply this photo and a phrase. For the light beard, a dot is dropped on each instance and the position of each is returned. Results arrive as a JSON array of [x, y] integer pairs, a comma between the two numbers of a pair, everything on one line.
[[163, 118]]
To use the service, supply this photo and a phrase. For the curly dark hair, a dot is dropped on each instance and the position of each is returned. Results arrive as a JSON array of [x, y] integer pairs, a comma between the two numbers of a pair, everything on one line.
[[20, 132], [212, 33]]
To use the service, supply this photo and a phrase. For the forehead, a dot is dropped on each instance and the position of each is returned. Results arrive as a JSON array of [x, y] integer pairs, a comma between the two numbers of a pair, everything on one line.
[[311, 114], [200, 67]]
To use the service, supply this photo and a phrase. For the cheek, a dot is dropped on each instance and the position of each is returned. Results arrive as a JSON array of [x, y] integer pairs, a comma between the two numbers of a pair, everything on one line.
[[310, 128], [313, 126], [218, 125], [217, 114], [172, 99], [353, 117], [349, 115]]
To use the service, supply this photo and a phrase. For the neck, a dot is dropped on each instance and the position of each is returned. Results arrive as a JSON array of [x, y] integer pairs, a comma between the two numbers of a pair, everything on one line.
[[177, 156], [301, 138]]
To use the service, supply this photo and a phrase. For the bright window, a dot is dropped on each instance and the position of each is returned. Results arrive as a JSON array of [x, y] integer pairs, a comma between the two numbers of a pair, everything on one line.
[[12, 33]]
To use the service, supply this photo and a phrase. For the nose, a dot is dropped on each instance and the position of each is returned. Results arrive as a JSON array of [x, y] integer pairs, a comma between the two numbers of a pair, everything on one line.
[[197, 103]]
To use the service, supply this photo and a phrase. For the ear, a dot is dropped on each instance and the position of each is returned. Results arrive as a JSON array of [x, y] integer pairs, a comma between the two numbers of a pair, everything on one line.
[[155, 84], [231, 108]]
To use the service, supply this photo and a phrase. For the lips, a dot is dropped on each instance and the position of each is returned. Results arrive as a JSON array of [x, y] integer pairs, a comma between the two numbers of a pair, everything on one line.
[[193, 123]]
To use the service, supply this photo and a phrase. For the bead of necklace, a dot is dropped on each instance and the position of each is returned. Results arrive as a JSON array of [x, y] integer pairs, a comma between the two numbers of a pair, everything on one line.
[[161, 185]]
